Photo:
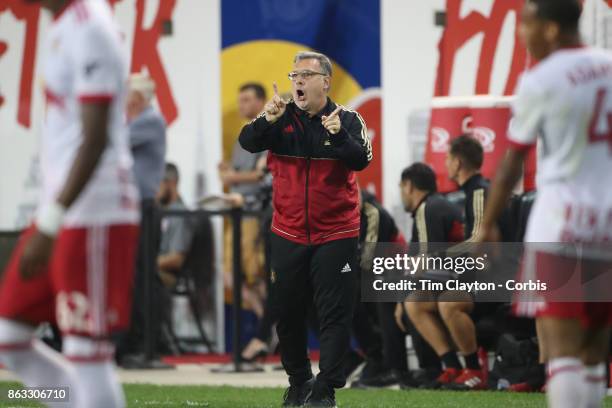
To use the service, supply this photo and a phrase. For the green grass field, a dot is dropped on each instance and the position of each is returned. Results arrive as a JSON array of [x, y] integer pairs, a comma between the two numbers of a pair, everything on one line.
[[144, 395]]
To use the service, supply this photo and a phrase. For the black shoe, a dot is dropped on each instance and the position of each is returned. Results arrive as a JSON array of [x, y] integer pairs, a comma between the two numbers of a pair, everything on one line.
[[295, 395], [384, 379], [321, 396]]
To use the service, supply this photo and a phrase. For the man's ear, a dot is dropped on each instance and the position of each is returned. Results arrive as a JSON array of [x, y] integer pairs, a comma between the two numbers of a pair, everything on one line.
[[552, 32], [327, 81]]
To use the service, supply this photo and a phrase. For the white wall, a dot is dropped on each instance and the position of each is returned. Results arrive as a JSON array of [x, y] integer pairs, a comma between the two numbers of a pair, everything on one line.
[[18, 145], [191, 61], [409, 60]]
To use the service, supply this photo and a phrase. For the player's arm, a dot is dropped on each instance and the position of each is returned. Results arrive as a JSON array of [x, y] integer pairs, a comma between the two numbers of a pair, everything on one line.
[[94, 118], [350, 142], [479, 196], [507, 176], [98, 78]]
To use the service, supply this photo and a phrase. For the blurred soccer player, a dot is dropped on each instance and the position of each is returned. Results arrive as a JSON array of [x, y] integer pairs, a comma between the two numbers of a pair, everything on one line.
[[75, 264], [566, 101]]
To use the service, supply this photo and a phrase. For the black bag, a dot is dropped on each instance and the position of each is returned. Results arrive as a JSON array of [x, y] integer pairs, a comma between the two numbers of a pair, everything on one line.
[[516, 361]]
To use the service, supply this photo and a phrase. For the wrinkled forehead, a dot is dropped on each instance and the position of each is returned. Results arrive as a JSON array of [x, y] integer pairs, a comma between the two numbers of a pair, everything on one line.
[[312, 64]]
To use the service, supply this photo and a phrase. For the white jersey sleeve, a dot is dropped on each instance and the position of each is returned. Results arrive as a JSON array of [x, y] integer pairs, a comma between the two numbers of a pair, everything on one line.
[[528, 112], [98, 72]]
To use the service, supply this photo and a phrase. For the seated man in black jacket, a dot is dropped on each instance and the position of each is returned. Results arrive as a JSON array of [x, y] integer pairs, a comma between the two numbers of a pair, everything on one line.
[[446, 319], [435, 220]]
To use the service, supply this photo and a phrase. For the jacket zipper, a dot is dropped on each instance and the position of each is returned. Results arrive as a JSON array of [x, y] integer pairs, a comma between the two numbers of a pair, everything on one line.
[[306, 198]]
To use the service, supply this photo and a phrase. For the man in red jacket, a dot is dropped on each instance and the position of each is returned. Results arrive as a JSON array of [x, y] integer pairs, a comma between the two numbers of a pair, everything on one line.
[[315, 146]]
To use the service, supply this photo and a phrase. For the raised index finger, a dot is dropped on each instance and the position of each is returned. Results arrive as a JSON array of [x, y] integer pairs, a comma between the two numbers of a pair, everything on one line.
[[275, 88], [335, 112]]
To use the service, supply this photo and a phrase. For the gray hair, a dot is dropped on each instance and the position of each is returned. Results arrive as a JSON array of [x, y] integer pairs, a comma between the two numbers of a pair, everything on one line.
[[325, 63], [142, 83]]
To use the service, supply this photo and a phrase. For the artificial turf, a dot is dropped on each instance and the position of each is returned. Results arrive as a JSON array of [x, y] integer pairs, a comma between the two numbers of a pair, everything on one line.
[[146, 395]]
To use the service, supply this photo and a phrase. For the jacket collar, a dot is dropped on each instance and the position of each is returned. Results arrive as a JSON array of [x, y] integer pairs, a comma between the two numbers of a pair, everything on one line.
[[327, 109], [472, 182], [425, 197]]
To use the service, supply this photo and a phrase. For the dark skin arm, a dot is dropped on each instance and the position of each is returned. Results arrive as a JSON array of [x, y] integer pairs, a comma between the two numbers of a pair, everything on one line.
[[507, 176], [94, 118], [171, 262], [231, 177]]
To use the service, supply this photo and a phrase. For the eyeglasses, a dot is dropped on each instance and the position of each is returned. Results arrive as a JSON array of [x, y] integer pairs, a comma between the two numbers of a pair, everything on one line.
[[305, 75]]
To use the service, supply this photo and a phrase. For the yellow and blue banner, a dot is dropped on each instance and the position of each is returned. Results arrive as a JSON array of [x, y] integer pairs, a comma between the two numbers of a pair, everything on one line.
[[260, 38]]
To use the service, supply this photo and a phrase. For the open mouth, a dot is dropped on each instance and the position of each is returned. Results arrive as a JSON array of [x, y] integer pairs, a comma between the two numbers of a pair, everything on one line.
[[300, 94]]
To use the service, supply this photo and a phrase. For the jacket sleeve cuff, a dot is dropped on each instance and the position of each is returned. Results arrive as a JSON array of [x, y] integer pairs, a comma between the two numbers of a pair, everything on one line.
[[261, 124], [339, 138]]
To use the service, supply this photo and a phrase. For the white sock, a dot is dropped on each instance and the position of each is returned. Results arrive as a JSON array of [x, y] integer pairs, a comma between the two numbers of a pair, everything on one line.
[[35, 363], [98, 383], [566, 387], [595, 379]]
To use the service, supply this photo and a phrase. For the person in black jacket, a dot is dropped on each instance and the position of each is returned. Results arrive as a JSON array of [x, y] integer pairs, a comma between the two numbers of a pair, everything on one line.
[[315, 146], [437, 319], [380, 340], [435, 220]]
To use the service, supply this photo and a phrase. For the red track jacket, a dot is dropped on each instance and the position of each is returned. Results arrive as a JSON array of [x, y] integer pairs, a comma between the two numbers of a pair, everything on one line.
[[315, 194]]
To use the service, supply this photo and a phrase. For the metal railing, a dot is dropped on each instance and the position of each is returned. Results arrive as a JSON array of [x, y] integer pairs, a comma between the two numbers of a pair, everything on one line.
[[235, 215]]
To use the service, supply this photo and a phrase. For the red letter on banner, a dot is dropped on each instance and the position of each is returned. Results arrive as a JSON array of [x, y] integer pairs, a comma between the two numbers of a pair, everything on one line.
[[459, 31], [30, 14], [145, 54]]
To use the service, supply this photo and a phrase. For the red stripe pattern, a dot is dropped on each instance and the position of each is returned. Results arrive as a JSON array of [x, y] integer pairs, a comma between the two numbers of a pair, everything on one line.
[[54, 99], [96, 98], [595, 379], [16, 346], [521, 147], [555, 371]]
